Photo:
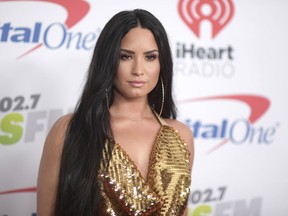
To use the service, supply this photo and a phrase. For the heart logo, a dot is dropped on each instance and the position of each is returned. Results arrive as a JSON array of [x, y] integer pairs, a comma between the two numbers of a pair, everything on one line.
[[217, 12]]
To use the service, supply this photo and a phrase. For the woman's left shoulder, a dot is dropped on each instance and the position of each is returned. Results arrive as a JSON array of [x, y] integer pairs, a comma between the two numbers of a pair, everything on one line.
[[186, 134], [183, 130]]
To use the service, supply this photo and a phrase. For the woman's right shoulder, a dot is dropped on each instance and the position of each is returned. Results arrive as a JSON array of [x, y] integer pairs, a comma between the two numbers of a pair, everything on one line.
[[61, 124], [57, 133]]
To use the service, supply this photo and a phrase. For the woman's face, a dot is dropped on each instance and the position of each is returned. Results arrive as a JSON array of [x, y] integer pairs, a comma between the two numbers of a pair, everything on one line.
[[139, 65]]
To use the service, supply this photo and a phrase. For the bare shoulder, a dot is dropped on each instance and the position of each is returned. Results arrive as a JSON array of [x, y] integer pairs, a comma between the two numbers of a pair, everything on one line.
[[58, 131], [186, 134]]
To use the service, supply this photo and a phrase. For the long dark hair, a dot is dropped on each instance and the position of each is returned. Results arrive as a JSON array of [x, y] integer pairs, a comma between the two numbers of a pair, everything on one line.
[[78, 191]]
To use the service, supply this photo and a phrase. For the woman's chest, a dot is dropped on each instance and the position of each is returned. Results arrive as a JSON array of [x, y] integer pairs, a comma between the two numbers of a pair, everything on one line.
[[137, 141]]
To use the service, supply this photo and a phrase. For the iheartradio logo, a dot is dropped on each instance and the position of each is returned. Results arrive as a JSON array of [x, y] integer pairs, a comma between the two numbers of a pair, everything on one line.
[[217, 12]]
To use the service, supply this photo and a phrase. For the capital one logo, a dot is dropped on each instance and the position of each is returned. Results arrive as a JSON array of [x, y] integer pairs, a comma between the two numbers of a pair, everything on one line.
[[218, 12], [76, 11]]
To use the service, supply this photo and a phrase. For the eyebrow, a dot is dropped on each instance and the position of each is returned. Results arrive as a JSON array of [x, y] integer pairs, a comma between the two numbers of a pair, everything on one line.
[[132, 52]]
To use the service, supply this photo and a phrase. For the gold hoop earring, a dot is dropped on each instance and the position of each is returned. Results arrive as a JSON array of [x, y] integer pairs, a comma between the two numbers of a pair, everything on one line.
[[107, 99], [163, 96]]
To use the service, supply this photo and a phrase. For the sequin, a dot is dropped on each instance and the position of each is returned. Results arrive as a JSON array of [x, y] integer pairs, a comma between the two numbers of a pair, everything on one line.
[[165, 192]]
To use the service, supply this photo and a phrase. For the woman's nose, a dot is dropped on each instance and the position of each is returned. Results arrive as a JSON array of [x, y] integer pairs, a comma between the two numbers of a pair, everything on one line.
[[138, 69]]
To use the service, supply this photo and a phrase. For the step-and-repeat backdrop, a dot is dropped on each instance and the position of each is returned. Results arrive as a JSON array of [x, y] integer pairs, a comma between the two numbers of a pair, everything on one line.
[[230, 84]]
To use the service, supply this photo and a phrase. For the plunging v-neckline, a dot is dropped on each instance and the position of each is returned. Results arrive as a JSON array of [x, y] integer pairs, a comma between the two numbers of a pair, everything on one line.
[[163, 124], [155, 144]]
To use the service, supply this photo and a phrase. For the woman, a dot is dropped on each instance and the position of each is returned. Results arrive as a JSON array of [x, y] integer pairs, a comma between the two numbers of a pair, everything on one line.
[[122, 152]]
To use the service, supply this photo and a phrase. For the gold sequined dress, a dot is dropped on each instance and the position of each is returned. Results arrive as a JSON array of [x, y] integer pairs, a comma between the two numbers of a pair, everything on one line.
[[165, 191]]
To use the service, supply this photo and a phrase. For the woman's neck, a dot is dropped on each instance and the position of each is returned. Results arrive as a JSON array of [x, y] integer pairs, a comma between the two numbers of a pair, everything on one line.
[[131, 109]]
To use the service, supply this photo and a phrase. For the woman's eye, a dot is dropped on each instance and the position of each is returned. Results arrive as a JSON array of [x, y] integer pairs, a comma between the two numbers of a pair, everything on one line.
[[151, 57], [125, 56]]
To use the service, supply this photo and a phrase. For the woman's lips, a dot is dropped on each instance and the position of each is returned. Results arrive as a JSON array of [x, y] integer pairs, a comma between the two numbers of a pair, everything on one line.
[[137, 84]]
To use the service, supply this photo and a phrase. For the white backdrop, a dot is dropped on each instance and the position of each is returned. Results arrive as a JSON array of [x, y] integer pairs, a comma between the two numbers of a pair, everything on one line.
[[230, 86]]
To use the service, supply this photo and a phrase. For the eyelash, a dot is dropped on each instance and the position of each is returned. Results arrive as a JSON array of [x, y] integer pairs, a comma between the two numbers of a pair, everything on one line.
[[125, 56], [148, 57], [151, 57]]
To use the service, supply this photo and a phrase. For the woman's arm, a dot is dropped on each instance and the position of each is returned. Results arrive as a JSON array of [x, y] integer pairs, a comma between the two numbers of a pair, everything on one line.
[[49, 167]]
